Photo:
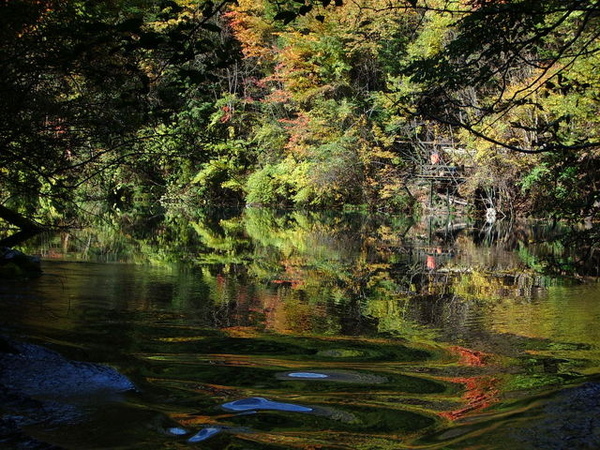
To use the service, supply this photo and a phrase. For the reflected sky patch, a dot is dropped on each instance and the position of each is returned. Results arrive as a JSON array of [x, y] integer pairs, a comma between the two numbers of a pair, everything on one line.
[[177, 431], [204, 434], [341, 376], [309, 375], [260, 403]]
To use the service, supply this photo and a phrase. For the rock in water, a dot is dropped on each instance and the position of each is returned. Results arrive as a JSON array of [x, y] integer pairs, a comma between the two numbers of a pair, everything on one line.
[[15, 264], [34, 371], [43, 389]]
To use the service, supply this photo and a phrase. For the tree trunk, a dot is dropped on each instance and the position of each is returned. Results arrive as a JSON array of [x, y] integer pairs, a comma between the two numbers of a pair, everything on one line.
[[18, 220], [26, 226]]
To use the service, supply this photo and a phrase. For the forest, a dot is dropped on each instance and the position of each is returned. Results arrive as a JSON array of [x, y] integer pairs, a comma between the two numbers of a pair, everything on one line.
[[299, 224], [400, 106]]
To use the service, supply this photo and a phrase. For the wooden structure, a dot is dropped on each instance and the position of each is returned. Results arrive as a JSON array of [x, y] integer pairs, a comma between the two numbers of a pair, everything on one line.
[[444, 180], [442, 172], [435, 162]]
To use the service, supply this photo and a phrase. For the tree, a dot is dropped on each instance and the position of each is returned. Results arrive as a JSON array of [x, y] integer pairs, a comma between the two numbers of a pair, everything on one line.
[[508, 78], [79, 80], [298, 103], [501, 57], [518, 78], [315, 130], [66, 82]]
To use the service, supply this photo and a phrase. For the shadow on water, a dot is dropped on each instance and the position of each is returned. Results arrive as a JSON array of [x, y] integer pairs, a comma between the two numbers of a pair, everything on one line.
[[300, 330]]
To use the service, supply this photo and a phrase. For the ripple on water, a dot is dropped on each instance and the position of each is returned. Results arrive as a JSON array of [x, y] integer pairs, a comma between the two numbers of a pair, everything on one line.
[[343, 353], [371, 351], [258, 413]]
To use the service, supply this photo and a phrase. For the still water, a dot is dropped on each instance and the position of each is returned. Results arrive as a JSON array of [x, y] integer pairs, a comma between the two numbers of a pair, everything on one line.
[[270, 330]]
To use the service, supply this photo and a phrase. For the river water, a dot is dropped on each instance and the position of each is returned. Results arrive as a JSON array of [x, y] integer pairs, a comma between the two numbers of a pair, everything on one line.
[[295, 330]]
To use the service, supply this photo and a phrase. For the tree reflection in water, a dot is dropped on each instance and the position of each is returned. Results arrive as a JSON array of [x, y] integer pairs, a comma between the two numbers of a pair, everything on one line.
[[414, 327]]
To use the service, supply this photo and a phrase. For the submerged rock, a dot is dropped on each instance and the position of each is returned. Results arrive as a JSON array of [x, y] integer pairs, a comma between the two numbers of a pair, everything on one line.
[[571, 419], [40, 386], [564, 420], [34, 371]]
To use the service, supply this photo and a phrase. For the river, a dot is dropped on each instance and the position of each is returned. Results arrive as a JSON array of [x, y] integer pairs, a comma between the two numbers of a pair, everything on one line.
[[268, 330]]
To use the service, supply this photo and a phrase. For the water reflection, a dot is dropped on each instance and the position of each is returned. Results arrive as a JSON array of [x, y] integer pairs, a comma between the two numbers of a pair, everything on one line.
[[204, 434], [307, 375], [340, 376], [254, 404], [379, 330]]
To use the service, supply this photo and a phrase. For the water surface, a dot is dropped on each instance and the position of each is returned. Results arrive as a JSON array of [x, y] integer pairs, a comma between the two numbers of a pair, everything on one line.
[[269, 330]]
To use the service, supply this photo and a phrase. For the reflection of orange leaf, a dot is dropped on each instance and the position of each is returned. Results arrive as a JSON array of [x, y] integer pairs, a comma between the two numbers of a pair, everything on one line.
[[292, 283], [468, 357], [480, 393], [190, 421]]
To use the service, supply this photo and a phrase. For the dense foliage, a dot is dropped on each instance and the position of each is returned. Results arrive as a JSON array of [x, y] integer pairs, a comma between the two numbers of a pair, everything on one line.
[[300, 104]]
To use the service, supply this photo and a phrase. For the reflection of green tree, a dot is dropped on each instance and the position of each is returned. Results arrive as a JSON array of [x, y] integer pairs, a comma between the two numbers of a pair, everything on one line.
[[301, 243], [394, 319], [364, 271], [336, 260]]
